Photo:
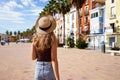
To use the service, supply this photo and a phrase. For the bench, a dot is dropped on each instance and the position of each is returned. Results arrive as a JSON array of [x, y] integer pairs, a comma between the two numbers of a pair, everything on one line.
[[113, 52]]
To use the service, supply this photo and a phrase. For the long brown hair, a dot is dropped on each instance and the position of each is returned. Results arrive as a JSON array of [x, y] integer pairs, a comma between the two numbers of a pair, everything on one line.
[[42, 42]]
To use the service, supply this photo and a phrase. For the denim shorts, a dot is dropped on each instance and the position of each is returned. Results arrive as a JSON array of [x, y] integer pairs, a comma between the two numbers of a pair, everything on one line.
[[44, 71]]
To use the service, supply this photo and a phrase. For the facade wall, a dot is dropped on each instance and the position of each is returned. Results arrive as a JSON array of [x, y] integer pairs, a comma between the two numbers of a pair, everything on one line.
[[61, 30], [97, 20], [112, 22], [85, 17], [73, 24], [97, 26], [67, 25]]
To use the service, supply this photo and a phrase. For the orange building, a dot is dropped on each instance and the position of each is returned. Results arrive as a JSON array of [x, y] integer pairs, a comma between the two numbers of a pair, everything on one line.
[[12, 38], [85, 18]]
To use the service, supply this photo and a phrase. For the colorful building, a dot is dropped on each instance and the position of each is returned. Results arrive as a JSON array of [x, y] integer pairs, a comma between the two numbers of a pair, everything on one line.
[[85, 18], [97, 16], [4, 37], [112, 22], [84, 21]]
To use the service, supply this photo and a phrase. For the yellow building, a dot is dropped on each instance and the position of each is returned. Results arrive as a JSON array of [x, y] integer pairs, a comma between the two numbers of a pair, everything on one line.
[[112, 22]]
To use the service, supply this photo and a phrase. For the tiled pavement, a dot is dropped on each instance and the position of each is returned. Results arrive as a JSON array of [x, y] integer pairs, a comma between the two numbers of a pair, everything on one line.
[[74, 64]]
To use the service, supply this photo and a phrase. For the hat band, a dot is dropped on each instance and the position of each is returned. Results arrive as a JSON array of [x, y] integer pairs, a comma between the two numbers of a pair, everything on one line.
[[44, 29]]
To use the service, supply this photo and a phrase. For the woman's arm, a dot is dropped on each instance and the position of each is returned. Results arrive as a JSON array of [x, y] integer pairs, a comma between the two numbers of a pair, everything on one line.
[[33, 52], [55, 60]]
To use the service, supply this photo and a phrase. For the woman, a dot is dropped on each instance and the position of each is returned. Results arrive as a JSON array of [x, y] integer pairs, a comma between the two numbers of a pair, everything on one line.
[[45, 49]]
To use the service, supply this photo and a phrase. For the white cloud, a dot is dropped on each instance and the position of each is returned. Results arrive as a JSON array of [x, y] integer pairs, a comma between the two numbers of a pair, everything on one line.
[[10, 5], [11, 16], [44, 1], [15, 14], [34, 12], [28, 2]]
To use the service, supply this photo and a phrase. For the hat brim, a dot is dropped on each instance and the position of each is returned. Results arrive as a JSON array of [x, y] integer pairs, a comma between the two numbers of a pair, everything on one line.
[[53, 26]]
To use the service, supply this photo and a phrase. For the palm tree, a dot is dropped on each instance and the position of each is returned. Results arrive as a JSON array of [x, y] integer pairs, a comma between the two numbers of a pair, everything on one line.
[[78, 4], [52, 4], [42, 13], [7, 32], [11, 33], [15, 33], [33, 30], [49, 9], [18, 34]]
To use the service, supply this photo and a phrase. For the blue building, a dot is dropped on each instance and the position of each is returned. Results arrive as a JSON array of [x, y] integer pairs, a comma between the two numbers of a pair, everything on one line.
[[97, 21]]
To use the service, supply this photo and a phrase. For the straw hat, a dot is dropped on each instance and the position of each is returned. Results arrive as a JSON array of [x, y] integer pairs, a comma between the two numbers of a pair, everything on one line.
[[45, 24]]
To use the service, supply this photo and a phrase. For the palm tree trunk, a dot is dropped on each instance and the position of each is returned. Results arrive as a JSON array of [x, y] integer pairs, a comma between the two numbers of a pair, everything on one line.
[[64, 29], [78, 14], [78, 23]]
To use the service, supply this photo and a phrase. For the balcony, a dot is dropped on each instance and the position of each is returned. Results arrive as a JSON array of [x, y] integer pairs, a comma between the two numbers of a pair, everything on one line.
[[86, 10], [113, 16], [80, 13], [99, 1]]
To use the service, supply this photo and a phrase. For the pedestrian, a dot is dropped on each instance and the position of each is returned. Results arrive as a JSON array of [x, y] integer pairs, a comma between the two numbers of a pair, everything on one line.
[[45, 49], [2, 42], [8, 41]]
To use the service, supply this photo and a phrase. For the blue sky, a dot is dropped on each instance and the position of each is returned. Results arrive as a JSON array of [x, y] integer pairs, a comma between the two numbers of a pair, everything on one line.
[[19, 14]]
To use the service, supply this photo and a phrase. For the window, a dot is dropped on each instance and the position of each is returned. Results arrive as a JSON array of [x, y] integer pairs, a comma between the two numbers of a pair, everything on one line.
[[101, 13], [86, 19], [80, 11], [86, 10], [112, 1], [113, 26], [73, 16], [91, 16], [72, 25], [96, 14], [111, 40], [101, 26], [112, 11], [80, 20], [86, 7]]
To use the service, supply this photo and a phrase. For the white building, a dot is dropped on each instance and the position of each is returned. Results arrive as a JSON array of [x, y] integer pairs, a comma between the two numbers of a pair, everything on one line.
[[73, 23], [97, 17]]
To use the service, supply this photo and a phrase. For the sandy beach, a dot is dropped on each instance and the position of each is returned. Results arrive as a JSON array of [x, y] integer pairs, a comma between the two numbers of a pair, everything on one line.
[[74, 64]]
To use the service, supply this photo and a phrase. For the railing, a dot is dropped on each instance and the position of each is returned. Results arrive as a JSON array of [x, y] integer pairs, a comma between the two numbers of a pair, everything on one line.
[[86, 12], [113, 16]]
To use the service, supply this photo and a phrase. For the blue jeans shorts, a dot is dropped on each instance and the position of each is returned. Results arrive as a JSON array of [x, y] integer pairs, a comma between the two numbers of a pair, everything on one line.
[[44, 71]]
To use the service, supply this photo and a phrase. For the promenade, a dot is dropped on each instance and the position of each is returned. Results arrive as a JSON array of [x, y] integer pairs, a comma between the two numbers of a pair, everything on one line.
[[74, 64]]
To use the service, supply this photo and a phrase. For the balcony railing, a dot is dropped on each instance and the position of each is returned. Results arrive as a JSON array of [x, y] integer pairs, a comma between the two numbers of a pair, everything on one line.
[[113, 16], [86, 12], [80, 13]]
